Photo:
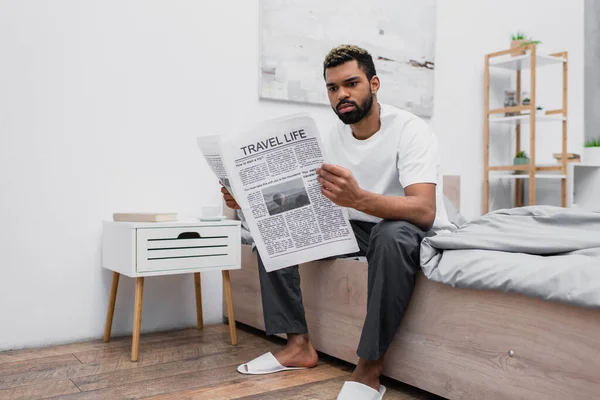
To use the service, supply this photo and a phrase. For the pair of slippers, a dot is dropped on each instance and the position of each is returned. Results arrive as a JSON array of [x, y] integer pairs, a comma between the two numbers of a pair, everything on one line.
[[268, 364]]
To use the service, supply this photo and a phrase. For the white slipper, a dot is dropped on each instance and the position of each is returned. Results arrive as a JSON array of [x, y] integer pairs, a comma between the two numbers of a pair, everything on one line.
[[358, 391], [265, 364]]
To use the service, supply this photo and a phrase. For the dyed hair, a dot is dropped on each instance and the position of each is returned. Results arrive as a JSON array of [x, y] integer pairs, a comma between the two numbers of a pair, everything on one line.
[[347, 52]]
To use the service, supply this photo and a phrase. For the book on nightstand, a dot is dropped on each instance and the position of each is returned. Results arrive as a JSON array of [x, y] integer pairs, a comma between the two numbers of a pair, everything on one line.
[[144, 217]]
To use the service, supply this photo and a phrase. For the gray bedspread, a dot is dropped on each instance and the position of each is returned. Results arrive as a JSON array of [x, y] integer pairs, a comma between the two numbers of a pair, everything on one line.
[[548, 252]]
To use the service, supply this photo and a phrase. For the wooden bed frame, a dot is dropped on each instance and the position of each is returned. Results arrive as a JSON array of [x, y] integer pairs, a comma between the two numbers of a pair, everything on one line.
[[456, 343]]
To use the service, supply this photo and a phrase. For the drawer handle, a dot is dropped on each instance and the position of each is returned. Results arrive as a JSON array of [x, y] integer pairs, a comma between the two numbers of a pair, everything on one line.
[[189, 235]]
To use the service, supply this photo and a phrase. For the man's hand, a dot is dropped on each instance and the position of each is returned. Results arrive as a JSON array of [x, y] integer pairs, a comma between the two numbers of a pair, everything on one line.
[[417, 206], [229, 200], [339, 185]]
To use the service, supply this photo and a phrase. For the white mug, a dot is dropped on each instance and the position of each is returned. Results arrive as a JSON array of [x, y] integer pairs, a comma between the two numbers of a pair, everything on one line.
[[211, 211]]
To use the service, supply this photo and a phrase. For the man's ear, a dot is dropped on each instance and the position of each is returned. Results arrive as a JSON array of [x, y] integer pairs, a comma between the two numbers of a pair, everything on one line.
[[375, 84]]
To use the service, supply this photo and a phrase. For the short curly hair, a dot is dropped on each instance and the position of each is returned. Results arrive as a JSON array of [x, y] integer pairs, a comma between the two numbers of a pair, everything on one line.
[[348, 52]]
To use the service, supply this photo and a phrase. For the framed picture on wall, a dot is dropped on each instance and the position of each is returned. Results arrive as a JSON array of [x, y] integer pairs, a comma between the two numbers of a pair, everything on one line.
[[296, 35]]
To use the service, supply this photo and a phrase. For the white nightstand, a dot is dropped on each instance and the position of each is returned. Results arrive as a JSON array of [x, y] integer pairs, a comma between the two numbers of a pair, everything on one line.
[[141, 249], [583, 186]]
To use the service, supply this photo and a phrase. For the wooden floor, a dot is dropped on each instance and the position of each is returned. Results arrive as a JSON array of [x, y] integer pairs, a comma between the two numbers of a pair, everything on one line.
[[184, 364]]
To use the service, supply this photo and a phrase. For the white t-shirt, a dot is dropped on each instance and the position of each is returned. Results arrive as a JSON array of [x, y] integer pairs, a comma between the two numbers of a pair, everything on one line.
[[403, 152]]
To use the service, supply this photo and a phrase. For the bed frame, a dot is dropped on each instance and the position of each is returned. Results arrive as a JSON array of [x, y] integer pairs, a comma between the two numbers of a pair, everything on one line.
[[456, 343]]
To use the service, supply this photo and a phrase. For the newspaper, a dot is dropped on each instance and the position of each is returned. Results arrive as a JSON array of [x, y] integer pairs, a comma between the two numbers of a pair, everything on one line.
[[270, 171]]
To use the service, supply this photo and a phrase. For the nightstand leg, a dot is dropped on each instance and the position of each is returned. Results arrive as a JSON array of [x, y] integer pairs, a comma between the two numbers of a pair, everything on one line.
[[198, 286], [229, 300], [111, 306], [137, 318]]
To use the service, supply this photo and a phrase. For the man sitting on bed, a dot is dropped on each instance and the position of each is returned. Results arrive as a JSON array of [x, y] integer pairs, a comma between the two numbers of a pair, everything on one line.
[[384, 168]]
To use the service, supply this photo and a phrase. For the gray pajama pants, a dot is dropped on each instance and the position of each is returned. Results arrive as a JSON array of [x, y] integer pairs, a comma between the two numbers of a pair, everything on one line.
[[392, 251]]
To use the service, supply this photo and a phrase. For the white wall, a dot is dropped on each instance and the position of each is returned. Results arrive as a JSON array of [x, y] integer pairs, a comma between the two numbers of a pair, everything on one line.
[[469, 29], [101, 103], [100, 106]]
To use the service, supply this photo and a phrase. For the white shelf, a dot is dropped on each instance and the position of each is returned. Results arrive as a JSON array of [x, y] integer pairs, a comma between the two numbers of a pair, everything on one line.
[[524, 61], [525, 119], [505, 175]]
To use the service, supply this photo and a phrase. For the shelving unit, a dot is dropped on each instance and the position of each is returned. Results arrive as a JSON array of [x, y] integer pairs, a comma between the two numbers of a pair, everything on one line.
[[507, 59], [524, 119]]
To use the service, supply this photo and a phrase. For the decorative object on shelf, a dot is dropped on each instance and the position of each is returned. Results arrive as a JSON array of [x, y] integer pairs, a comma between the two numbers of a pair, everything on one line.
[[519, 40], [526, 99], [510, 100], [528, 42], [521, 159], [591, 151], [540, 111], [571, 157]]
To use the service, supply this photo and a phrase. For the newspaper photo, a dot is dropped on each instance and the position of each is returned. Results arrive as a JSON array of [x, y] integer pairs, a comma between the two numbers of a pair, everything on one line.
[[271, 172]]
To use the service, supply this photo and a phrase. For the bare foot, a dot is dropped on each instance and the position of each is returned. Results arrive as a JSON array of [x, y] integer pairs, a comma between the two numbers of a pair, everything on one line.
[[368, 372], [299, 352]]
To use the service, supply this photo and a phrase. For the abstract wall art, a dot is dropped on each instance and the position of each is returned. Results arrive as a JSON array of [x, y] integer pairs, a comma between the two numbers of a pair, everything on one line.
[[296, 35]]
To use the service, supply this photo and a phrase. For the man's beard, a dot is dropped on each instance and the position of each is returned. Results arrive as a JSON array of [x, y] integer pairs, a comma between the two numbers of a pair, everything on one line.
[[358, 113]]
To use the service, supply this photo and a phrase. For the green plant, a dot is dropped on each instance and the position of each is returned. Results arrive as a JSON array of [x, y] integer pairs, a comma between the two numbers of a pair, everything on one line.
[[521, 154], [521, 36], [531, 42], [521, 159], [593, 143]]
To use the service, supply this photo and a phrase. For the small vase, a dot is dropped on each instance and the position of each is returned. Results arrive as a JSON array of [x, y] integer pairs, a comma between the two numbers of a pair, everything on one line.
[[515, 44], [521, 161]]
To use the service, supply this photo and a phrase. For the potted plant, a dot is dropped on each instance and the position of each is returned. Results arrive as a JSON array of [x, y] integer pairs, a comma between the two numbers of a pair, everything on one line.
[[540, 111], [591, 151], [528, 42], [519, 40], [521, 159]]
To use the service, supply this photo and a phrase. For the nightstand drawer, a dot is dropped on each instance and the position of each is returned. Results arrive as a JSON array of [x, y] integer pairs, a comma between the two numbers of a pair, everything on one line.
[[167, 249]]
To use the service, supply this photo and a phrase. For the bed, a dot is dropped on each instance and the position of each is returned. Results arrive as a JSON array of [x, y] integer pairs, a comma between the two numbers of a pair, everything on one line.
[[459, 343]]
